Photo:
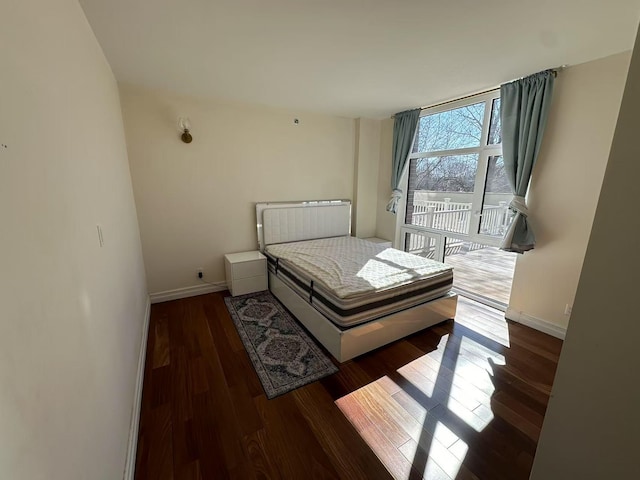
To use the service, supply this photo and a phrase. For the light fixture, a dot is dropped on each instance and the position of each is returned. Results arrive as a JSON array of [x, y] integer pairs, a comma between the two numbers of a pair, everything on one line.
[[185, 126]]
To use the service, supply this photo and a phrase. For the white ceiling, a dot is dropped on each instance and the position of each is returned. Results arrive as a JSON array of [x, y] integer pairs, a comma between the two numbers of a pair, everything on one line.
[[355, 58]]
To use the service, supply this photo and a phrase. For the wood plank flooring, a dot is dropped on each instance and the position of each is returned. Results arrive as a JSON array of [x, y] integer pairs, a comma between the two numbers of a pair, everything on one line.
[[462, 400], [487, 272]]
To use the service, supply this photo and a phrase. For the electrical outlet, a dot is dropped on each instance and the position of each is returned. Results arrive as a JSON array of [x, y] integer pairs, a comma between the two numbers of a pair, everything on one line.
[[567, 309], [200, 273]]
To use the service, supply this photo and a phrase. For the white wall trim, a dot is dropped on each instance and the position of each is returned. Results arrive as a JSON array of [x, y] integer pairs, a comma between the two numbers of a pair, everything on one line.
[[544, 326], [130, 464], [187, 292]]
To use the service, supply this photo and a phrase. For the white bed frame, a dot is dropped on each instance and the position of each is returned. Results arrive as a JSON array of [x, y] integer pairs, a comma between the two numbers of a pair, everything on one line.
[[292, 222]]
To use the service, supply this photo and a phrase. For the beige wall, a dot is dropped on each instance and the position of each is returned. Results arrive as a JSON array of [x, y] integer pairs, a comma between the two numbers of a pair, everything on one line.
[[366, 177], [196, 202], [385, 221], [591, 429], [565, 185], [71, 313]]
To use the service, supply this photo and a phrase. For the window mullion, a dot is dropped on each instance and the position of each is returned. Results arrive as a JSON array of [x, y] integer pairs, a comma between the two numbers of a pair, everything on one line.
[[446, 153], [478, 194], [486, 123]]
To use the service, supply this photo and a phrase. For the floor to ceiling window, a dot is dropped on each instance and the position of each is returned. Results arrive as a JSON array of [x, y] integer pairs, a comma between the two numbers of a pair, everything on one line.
[[458, 195]]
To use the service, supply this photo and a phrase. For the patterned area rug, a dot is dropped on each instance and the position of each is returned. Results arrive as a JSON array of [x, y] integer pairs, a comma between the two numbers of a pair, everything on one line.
[[283, 354]]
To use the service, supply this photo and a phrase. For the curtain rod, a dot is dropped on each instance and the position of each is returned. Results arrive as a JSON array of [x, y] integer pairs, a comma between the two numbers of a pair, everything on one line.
[[482, 92]]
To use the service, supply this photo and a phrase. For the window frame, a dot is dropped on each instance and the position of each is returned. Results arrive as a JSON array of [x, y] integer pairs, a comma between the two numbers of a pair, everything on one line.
[[484, 152]]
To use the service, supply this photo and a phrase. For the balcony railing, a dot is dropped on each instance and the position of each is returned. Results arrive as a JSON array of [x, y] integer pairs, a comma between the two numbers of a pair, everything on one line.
[[455, 217]]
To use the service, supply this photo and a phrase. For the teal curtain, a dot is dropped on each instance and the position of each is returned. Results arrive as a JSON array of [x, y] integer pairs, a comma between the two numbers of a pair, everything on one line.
[[404, 129], [524, 109]]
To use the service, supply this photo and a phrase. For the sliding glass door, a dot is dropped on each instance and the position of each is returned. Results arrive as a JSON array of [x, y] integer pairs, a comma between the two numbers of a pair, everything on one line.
[[458, 196]]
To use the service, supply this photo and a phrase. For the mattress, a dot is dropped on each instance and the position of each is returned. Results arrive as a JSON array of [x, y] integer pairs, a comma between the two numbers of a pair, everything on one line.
[[352, 281]]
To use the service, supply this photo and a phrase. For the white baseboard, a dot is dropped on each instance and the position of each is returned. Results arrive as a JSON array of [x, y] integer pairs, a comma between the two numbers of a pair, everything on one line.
[[536, 323], [130, 464], [187, 292]]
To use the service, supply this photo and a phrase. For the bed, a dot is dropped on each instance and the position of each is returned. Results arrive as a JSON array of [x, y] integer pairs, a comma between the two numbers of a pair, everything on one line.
[[353, 296]]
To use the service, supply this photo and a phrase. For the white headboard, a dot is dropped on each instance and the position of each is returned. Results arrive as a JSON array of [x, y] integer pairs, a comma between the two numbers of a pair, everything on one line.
[[297, 221]]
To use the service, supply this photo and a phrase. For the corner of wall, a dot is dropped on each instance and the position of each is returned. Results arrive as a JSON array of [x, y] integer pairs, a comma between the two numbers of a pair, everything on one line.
[[385, 221]]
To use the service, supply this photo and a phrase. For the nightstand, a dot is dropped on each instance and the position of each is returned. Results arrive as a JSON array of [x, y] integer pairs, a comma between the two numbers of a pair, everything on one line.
[[384, 243], [246, 272]]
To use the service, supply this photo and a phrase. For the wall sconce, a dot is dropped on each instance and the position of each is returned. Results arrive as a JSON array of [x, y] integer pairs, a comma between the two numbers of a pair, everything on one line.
[[185, 125]]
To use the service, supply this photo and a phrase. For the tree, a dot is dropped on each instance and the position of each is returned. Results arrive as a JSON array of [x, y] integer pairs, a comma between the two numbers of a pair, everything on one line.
[[452, 130], [451, 173], [496, 176]]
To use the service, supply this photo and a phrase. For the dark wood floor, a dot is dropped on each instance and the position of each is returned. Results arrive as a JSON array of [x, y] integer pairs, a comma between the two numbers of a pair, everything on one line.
[[462, 400]]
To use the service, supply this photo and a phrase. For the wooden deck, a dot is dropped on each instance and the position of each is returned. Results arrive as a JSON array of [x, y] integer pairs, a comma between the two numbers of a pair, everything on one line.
[[462, 400], [487, 272]]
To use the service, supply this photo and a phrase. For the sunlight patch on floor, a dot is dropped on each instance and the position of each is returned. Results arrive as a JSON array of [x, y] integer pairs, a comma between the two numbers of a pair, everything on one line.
[[427, 408], [397, 422], [440, 460], [481, 352], [494, 327]]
